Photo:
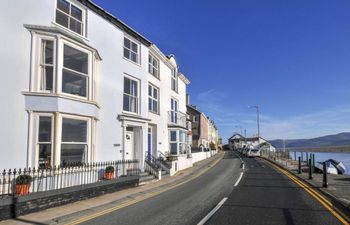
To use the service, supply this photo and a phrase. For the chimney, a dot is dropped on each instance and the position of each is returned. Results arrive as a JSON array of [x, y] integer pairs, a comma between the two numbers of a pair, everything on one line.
[[187, 99]]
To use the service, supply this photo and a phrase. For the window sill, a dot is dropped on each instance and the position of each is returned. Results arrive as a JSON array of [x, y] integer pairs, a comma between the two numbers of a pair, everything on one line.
[[47, 94], [154, 76], [70, 31], [129, 60], [158, 114]]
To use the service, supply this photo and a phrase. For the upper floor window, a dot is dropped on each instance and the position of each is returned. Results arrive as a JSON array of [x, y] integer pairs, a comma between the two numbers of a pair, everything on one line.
[[173, 80], [153, 66], [44, 141], [153, 99], [47, 65], [131, 50], [74, 62], [70, 16], [130, 98], [75, 72]]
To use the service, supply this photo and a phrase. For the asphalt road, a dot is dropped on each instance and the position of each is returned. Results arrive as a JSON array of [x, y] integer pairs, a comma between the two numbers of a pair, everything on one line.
[[263, 196], [185, 204]]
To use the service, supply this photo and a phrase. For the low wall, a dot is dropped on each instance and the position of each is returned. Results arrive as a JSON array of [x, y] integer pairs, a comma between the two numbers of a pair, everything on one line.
[[199, 156], [13, 206]]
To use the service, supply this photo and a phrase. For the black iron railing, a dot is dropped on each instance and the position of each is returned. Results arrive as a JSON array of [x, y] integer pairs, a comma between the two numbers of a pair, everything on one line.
[[69, 175]]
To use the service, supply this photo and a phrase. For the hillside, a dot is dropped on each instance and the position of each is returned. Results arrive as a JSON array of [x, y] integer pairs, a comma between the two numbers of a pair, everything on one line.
[[329, 140]]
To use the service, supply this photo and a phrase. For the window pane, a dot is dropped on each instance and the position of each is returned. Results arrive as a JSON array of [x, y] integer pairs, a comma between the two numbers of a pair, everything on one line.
[[133, 57], [47, 52], [155, 93], [126, 103], [172, 135], [127, 43], [74, 130], [155, 106], [61, 18], [75, 59], [44, 156], [74, 84], [45, 129], [134, 88], [73, 153], [173, 148], [126, 53], [63, 5], [127, 85], [133, 104], [149, 90], [150, 104], [155, 63], [150, 59], [47, 78], [76, 12], [75, 26], [134, 47]]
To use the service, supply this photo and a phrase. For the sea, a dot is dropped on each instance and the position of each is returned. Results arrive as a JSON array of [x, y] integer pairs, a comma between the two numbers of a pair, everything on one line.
[[322, 156]]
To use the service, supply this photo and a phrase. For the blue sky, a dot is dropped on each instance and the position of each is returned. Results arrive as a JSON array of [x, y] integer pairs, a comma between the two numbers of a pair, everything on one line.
[[292, 58]]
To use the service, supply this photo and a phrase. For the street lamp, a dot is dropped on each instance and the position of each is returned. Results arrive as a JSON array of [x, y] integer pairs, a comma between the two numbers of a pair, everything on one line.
[[257, 121]]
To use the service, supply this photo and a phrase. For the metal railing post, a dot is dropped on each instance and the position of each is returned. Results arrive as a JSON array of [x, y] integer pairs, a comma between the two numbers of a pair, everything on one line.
[[299, 165], [325, 181], [310, 169]]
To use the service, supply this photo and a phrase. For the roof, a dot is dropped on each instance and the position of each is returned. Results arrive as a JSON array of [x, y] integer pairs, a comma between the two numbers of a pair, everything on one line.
[[114, 20]]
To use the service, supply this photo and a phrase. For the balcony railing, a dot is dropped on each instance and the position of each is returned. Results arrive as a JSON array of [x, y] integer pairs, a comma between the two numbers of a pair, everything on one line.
[[177, 118]]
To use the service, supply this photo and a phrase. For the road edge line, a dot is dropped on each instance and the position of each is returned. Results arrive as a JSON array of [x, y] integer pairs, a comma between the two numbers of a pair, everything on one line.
[[212, 212]]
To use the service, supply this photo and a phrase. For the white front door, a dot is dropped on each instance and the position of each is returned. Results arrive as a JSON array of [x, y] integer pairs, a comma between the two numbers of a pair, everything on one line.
[[129, 145]]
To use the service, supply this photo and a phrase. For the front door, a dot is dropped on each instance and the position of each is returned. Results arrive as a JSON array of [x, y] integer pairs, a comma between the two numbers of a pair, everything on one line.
[[129, 145]]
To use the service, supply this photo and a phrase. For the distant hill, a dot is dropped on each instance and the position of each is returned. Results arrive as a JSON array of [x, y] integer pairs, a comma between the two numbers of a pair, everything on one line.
[[329, 140]]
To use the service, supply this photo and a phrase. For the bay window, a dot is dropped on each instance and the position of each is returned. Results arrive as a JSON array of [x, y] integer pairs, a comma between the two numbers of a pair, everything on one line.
[[62, 67], [178, 142], [72, 144]]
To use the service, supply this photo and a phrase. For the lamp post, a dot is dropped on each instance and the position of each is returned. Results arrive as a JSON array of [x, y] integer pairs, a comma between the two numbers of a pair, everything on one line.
[[257, 121]]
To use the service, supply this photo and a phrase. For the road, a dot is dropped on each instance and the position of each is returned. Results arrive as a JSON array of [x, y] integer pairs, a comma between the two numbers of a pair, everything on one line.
[[263, 196]]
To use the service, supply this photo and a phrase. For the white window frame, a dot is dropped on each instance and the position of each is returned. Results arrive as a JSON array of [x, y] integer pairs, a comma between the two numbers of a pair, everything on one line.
[[138, 110], [178, 142], [83, 18], [174, 112], [131, 51], [42, 65], [152, 99], [151, 67], [88, 136], [174, 78], [37, 142], [61, 67]]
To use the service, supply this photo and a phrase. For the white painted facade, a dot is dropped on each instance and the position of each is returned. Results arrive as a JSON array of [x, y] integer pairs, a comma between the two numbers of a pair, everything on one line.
[[94, 112]]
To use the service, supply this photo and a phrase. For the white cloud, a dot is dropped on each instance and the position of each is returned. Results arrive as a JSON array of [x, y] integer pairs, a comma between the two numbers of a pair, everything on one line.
[[328, 121]]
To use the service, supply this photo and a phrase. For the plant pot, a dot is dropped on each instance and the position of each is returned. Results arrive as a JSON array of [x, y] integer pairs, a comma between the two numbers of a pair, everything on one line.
[[109, 176], [22, 189]]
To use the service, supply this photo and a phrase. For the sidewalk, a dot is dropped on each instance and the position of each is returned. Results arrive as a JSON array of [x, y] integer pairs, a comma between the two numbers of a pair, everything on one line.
[[66, 213], [338, 185]]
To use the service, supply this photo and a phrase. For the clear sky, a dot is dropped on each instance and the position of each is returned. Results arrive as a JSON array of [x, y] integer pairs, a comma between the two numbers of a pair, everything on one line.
[[292, 58]]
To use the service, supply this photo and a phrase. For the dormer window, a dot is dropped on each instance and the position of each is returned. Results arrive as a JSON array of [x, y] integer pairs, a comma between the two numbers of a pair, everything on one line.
[[70, 16]]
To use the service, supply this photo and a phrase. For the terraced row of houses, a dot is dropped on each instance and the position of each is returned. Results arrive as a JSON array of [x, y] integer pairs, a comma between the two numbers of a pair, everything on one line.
[[79, 85]]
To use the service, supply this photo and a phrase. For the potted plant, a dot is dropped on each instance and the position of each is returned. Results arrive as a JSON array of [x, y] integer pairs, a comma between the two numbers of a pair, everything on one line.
[[109, 171], [23, 184]]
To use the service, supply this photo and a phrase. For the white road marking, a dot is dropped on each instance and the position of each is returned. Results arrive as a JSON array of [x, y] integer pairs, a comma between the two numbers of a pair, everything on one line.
[[212, 212], [239, 179]]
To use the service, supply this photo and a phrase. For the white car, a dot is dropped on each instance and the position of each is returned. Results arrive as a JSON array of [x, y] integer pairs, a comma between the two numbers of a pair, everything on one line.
[[253, 153]]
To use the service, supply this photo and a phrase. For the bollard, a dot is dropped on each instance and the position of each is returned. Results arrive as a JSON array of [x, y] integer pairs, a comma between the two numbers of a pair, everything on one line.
[[310, 169], [325, 181], [302, 156], [313, 162], [299, 166]]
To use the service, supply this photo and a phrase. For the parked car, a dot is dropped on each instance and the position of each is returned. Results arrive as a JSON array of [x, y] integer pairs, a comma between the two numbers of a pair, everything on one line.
[[253, 153]]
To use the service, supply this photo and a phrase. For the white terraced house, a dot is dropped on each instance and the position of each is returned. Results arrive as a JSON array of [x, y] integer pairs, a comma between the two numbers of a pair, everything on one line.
[[79, 85]]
